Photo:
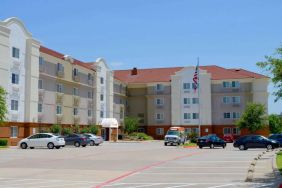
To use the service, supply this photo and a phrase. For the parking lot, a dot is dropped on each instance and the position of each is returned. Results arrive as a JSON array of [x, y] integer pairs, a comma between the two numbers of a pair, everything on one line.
[[124, 165]]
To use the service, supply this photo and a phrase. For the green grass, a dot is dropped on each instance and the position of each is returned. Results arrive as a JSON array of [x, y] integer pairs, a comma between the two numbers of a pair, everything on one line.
[[2, 147], [279, 161], [190, 144]]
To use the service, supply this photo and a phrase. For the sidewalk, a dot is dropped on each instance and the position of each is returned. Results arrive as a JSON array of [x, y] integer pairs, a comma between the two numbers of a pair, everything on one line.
[[266, 170]]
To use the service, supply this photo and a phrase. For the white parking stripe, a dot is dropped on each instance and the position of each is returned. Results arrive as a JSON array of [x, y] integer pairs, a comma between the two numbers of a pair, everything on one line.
[[194, 173], [221, 185], [147, 185], [181, 185]]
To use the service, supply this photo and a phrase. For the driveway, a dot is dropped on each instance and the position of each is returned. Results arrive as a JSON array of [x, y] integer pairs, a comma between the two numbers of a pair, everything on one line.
[[124, 165]]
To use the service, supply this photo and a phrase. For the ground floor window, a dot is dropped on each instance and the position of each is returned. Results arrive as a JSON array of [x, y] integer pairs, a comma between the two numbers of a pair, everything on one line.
[[227, 130], [141, 130], [14, 131], [160, 131], [195, 130], [236, 131], [187, 130]]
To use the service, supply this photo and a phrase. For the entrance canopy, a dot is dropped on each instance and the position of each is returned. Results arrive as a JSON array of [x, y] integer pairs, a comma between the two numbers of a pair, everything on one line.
[[109, 123]]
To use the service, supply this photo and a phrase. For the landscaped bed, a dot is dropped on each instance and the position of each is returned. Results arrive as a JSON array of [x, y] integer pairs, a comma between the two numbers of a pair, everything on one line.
[[190, 145], [279, 161]]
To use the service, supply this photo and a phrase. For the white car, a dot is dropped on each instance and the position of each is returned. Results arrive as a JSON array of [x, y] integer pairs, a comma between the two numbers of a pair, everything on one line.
[[42, 140], [94, 139]]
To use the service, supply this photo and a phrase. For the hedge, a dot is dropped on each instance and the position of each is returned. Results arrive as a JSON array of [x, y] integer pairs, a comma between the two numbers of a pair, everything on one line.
[[3, 142]]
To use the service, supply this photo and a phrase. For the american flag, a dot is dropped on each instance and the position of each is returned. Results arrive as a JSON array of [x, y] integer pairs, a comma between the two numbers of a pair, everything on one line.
[[196, 78]]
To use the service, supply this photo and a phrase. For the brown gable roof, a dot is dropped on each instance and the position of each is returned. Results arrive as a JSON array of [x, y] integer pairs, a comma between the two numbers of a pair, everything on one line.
[[61, 56], [164, 74]]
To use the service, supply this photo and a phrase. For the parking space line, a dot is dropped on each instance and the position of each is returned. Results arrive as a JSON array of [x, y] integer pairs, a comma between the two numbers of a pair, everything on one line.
[[185, 185], [147, 185], [230, 184]]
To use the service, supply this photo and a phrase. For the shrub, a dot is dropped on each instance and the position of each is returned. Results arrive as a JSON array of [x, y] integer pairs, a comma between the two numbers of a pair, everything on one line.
[[140, 136], [193, 137], [84, 130], [56, 129], [76, 129], [130, 124], [94, 129], [67, 131], [3, 142]]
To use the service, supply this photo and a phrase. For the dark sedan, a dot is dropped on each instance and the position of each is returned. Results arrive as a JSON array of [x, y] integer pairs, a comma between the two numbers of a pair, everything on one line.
[[76, 139], [255, 141], [211, 141], [277, 138]]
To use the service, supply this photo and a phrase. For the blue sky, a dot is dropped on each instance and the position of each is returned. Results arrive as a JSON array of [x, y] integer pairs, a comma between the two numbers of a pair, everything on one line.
[[156, 33]]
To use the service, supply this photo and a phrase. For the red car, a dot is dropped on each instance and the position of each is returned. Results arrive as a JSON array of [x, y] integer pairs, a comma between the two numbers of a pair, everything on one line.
[[228, 138]]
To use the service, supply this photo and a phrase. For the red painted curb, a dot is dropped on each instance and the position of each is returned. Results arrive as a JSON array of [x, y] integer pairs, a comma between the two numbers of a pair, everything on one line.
[[142, 169]]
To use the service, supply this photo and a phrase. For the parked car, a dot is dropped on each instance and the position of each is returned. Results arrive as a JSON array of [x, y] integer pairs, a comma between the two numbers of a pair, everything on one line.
[[277, 138], [77, 140], [255, 141], [94, 139], [42, 140], [228, 138], [175, 135], [211, 141]]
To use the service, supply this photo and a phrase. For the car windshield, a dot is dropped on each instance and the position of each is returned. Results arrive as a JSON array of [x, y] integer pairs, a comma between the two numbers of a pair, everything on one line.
[[173, 132]]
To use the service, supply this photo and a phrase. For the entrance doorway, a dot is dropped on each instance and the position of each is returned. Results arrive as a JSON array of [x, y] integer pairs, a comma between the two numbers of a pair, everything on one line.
[[105, 132]]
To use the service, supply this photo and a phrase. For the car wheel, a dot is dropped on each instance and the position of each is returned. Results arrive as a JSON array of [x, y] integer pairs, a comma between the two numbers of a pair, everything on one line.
[[269, 147], [211, 146], [200, 147], [242, 147], [50, 145], [92, 143], [224, 146], [165, 144], [96, 144], [31, 147], [57, 147], [23, 145], [77, 144], [83, 145]]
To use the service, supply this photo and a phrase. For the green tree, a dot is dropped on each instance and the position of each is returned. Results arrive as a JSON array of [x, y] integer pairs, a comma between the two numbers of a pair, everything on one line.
[[94, 129], [76, 129], [84, 130], [254, 118], [56, 129], [273, 65], [130, 124], [67, 131], [3, 106], [275, 123]]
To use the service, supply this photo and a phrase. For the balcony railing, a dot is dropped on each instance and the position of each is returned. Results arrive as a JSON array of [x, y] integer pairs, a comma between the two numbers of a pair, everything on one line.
[[60, 73], [75, 78], [59, 98]]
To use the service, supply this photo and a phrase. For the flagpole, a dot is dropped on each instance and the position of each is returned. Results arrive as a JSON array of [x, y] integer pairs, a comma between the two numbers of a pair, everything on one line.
[[199, 106]]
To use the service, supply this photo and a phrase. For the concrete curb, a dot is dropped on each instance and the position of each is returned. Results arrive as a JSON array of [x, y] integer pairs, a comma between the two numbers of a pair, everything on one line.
[[276, 172]]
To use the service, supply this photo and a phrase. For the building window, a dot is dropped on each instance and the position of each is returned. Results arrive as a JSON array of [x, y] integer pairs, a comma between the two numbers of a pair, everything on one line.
[[236, 99], [59, 110], [75, 91], [226, 100], [227, 115], [187, 116], [236, 131], [90, 77], [14, 131], [101, 97], [40, 107], [195, 100], [14, 105], [60, 88], [195, 130], [41, 61], [226, 84], [40, 84], [186, 101], [159, 131], [101, 114], [121, 113], [159, 116], [159, 101], [195, 115], [236, 115], [15, 78], [186, 85], [226, 130], [159, 87], [235, 84], [90, 95], [16, 52], [75, 111], [60, 67], [187, 130], [89, 112], [102, 80]]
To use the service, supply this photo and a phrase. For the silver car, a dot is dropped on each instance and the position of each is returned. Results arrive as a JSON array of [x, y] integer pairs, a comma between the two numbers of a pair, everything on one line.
[[94, 139]]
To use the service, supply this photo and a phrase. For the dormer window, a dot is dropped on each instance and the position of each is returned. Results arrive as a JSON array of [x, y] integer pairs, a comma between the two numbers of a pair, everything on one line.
[[75, 72]]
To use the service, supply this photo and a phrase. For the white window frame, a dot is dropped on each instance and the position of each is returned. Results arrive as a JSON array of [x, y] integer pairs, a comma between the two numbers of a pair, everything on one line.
[[225, 115], [40, 108], [226, 99], [236, 84], [75, 111], [226, 84], [40, 84], [188, 100], [195, 116], [159, 116], [16, 78], [14, 132], [234, 101], [195, 100], [186, 116], [227, 132], [14, 105], [59, 88], [237, 131], [236, 115], [159, 101], [188, 130], [89, 113], [15, 52], [101, 80], [60, 67], [186, 86], [159, 87], [159, 131], [59, 110], [75, 91]]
